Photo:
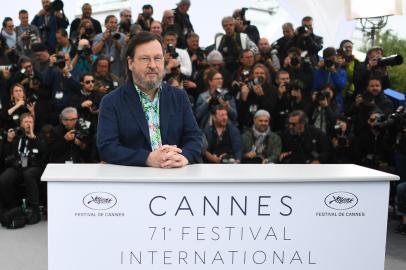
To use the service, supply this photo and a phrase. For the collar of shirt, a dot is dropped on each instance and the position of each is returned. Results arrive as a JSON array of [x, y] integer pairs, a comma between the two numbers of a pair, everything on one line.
[[144, 97]]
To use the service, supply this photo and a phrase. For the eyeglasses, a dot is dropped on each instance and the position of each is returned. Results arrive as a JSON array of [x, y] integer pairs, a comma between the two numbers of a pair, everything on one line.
[[146, 60], [71, 119], [89, 81]]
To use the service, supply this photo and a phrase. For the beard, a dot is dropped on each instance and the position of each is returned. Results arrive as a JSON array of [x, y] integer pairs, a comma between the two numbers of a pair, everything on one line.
[[148, 84]]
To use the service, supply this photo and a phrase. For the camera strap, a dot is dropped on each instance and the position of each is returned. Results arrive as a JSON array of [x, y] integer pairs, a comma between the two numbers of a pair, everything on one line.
[[23, 147]]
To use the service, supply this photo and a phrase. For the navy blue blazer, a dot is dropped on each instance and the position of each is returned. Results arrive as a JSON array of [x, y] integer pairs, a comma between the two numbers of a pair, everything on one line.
[[123, 134]]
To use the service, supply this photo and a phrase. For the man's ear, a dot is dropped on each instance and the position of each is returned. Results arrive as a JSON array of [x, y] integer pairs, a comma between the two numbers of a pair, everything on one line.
[[130, 63]]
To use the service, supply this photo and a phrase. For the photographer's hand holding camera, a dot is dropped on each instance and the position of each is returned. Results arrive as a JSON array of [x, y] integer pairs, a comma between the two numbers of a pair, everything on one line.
[[25, 157], [19, 105]]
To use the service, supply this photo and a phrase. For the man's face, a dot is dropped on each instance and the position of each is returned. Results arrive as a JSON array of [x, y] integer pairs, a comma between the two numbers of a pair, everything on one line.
[[102, 68], [27, 123], [23, 18], [111, 24], [69, 122], [239, 24], [247, 59], [46, 4], [374, 87], [288, 32], [147, 12], [169, 39], [220, 118], [169, 18], [259, 72], [261, 123], [283, 78], [183, 8], [193, 43], [147, 65], [42, 56], [229, 27], [87, 11], [156, 28], [9, 26], [28, 67], [308, 24], [216, 64], [126, 17], [263, 45], [61, 39], [18, 93], [294, 125], [347, 47], [87, 83]]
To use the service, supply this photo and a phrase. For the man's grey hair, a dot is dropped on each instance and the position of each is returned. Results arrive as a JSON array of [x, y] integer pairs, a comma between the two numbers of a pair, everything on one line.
[[66, 111], [124, 10], [287, 25], [227, 19]]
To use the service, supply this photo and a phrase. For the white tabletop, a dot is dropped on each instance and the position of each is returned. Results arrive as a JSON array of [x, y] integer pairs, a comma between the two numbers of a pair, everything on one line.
[[214, 173]]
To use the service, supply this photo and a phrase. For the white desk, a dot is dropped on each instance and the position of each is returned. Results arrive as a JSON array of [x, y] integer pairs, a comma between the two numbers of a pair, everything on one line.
[[216, 217]]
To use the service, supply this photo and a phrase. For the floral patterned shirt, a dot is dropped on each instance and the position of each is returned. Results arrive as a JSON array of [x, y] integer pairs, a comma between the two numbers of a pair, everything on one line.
[[151, 110]]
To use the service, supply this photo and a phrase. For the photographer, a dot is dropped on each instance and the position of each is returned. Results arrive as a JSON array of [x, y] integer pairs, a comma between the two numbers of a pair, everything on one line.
[[50, 18], [105, 80], [223, 138], [268, 56], [27, 34], [376, 143], [375, 65], [109, 43], [214, 96], [182, 21], [64, 44], [241, 76], [232, 44], [301, 143], [323, 111], [299, 69], [86, 15], [280, 111], [168, 23], [125, 21], [25, 159], [244, 26], [69, 139], [330, 72], [83, 60], [87, 101], [18, 106], [373, 98], [175, 57], [8, 32], [342, 142], [283, 44], [309, 43], [256, 94], [350, 64], [145, 18], [261, 145]]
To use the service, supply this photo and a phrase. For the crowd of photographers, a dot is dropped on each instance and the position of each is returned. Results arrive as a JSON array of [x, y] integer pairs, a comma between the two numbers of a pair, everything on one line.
[[256, 102]]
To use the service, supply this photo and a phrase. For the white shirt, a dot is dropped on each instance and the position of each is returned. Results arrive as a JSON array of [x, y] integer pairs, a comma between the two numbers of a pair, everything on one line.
[[185, 62]]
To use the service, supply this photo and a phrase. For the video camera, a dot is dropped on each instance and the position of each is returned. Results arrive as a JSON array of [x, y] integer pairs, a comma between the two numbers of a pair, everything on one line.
[[172, 51], [392, 60]]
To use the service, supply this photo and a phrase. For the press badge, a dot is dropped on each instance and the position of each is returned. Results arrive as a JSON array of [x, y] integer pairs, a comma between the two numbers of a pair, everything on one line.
[[111, 58], [35, 151], [16, 117], [24, 161], [59, 95], [115, 84]]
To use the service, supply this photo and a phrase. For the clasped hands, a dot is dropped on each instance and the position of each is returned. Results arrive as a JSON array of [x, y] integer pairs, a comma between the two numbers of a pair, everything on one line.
[[167, 156]]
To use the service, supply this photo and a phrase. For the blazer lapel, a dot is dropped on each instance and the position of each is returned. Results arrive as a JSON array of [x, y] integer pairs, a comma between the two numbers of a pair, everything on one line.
[[164, 113], [134, 104]]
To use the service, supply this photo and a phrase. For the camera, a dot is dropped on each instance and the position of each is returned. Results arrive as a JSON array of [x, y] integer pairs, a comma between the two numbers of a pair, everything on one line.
[[227, 159], [256, 81], [392, 60], [33, 98], [322, 95], [302, 30], [220, 94], [342, 139], [82, 130], [56, 5], [35, 80], [20, 132], [86, 51], [329, 63], [60, 61], [172, 51], [295, 61], [116, 36]]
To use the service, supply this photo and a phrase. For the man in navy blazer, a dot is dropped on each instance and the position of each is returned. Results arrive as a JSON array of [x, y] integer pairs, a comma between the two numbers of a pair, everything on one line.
[[145, 122]]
